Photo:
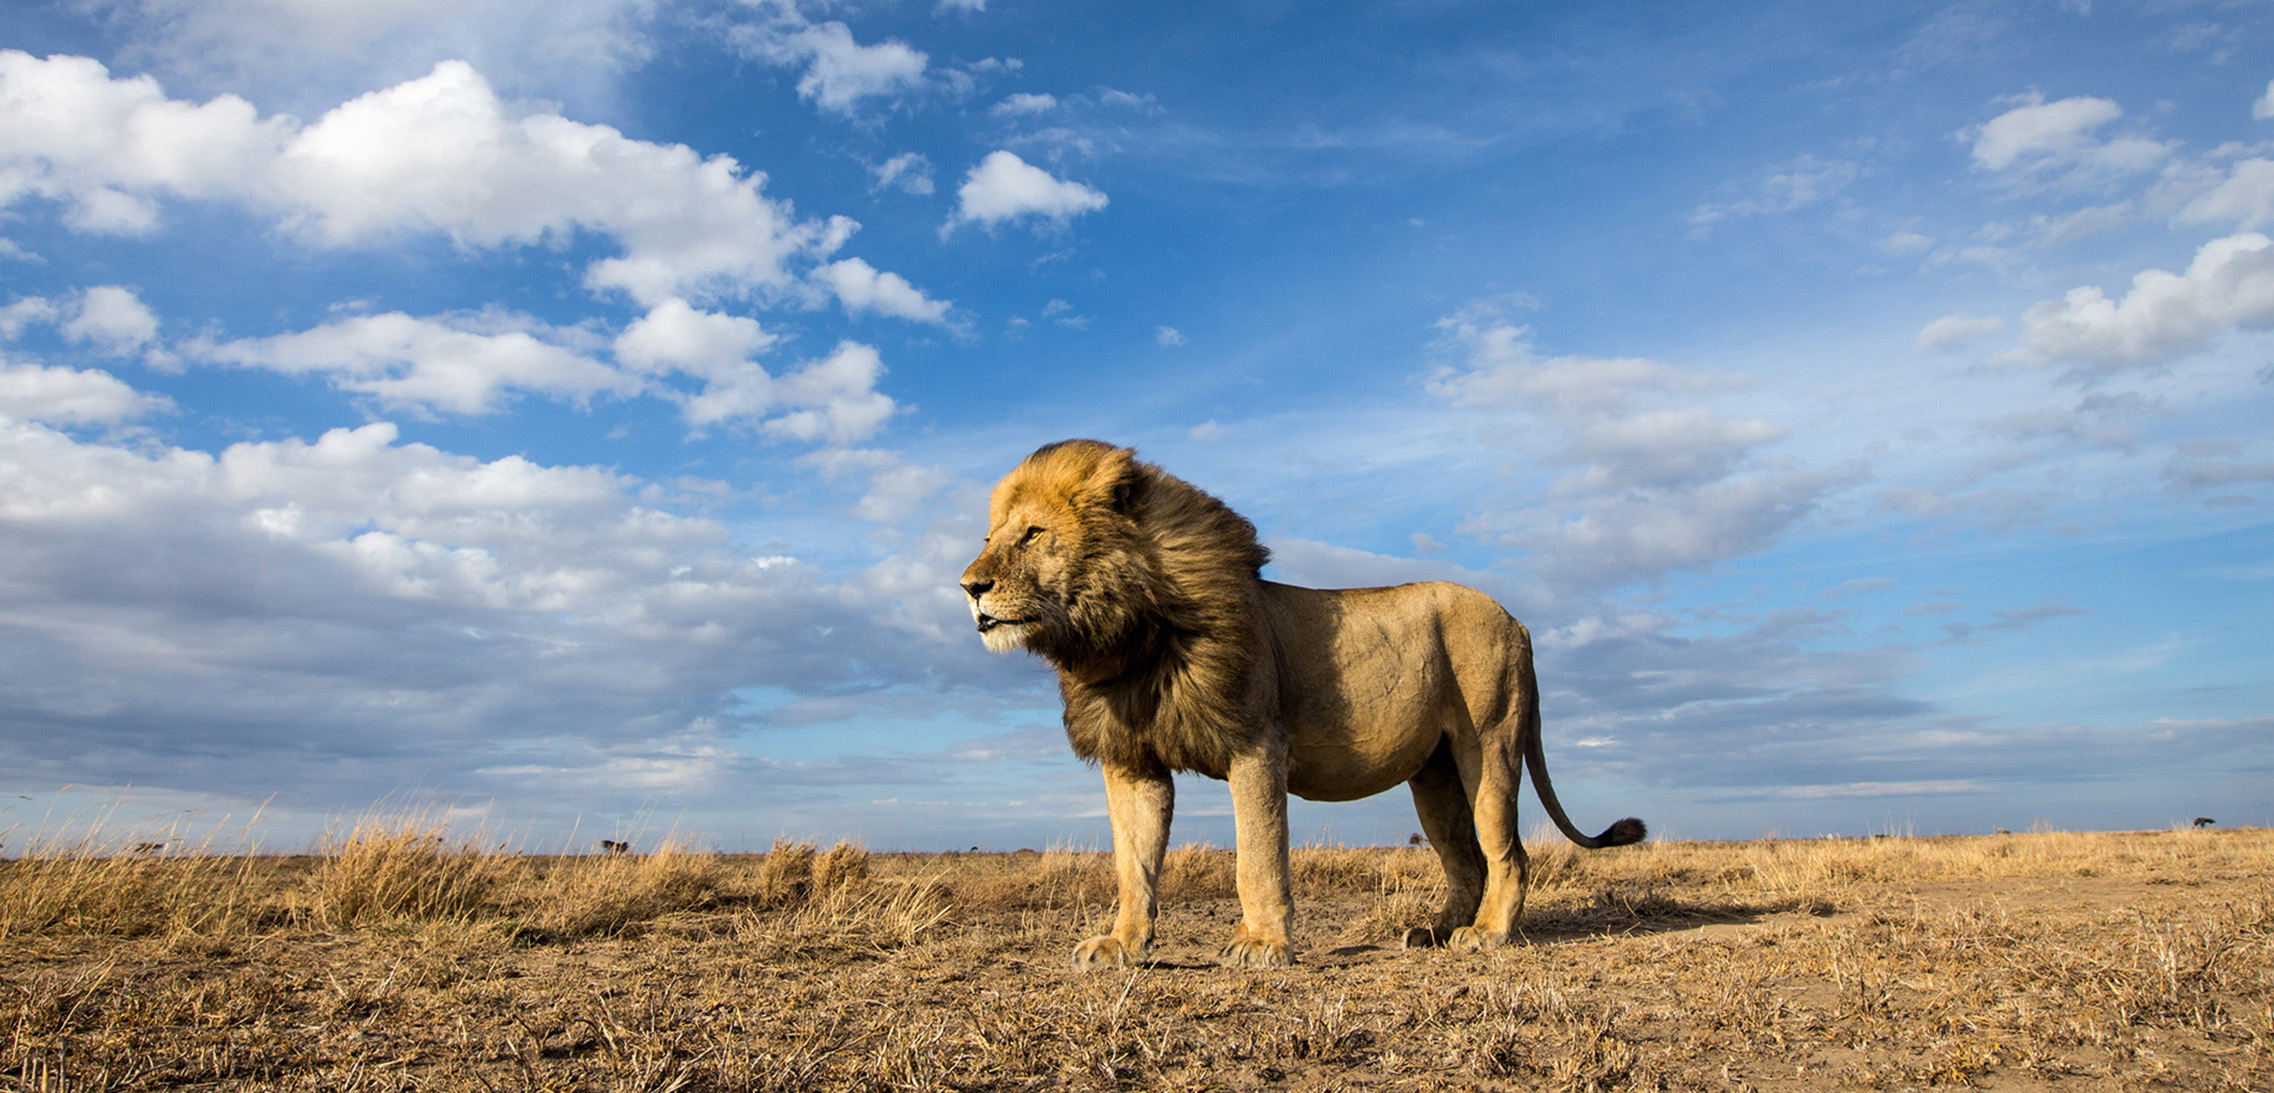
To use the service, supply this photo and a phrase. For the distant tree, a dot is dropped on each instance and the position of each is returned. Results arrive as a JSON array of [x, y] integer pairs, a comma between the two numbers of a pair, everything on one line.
[[2204, 821]]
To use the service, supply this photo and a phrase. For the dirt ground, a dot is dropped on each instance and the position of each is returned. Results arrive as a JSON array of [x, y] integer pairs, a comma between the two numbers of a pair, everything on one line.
[[2046, 961]]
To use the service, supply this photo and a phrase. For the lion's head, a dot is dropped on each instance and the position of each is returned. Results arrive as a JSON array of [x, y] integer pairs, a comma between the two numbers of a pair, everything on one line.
[[1137, 586]]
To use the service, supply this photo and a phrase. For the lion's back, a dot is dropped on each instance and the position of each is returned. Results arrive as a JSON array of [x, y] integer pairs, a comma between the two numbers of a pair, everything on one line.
[[1409, 643]]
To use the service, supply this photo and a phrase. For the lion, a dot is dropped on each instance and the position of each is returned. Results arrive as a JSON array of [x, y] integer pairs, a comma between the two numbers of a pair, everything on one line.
[[1173, 654]]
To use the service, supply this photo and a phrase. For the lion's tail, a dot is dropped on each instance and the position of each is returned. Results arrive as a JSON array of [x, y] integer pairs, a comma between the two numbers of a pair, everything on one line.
[[1622, 833]]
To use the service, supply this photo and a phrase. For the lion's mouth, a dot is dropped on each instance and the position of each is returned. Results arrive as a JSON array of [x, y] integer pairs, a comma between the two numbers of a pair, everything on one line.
[[989, 622]]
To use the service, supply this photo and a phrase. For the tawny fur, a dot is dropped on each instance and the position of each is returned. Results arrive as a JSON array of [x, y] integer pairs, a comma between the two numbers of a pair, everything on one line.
[[1174, 654]]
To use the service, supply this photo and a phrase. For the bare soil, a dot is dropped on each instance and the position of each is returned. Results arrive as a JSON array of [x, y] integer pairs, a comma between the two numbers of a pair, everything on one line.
[[2100, 962]]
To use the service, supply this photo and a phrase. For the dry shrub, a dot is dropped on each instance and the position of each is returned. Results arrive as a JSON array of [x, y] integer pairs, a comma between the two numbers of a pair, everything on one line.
[[406, 866], [785, 877], [620, 894], [845, 865], [1327, 870], [868, 916], [1198, 871]]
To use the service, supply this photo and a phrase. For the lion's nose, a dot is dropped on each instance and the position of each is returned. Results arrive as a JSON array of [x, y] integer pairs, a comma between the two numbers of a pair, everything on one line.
[[976, 589]]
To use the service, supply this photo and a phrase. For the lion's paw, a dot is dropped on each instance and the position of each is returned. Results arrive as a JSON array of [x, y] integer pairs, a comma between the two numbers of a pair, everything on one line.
[[1246, 951], [1106, 951], [1475, 939]]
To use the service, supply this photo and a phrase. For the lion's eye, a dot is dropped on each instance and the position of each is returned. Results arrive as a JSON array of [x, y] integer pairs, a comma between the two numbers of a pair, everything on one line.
[[1029, 536]]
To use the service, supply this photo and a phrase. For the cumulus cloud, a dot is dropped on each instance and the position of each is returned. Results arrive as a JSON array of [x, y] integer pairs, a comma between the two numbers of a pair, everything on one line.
[[908, 172], [840, 72], [2229, 286], [861, 287], [442, 153], [111, 318], [833, 400], [674, 335], [66, 396], [459, 364], [2263, 109], [1004, 187], [105, 148], [2059, 142], [2244, 198], [238, 621], [1024, 103], [1952, 331], [1656, 483]]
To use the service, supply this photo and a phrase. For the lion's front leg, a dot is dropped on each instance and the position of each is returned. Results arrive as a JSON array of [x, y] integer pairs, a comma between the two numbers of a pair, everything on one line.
[[1139, 803], [1267, 906]]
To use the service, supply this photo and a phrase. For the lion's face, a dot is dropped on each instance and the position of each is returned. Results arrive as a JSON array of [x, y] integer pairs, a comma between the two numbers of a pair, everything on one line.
[[1019, 585], [1053, 539]]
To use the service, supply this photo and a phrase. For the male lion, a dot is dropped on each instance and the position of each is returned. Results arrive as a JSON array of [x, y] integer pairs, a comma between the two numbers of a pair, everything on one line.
[[1173, 654]]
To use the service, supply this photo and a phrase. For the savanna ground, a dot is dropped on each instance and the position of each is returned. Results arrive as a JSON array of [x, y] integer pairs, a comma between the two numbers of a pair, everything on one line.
[[401, 957]]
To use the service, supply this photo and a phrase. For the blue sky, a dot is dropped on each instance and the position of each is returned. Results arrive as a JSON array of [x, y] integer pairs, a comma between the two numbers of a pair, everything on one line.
[[577, 411]]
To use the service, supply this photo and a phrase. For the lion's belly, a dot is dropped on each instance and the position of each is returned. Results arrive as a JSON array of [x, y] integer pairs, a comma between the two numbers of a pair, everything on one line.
[[1346, 762]]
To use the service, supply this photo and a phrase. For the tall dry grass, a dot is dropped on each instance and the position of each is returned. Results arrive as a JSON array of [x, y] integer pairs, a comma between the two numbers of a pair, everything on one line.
[[407, 866], [91, 876]]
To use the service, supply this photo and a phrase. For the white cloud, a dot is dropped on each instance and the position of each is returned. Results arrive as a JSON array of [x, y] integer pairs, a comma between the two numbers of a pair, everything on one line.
[[2263, 109], [2059, 142], [839, 71], [716, 349], [70, 133], [65, 396], [1660, 449], [1004, 187], [2165, 316], [2244, 198], [1952, 331], [860, 287], [1641, 535], [185, 614], [1657, 483], [834, 399], [1498, 367], [445, 153], [463, 365], [673, 335], [1167, 337], [110, 317], [1906, 243], [28, 311], [113, 318], [440, 153], [1023, 103], [908, 172]]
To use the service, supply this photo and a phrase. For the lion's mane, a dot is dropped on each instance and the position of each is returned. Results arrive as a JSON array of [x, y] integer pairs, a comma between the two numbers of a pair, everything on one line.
[[1158, 639]]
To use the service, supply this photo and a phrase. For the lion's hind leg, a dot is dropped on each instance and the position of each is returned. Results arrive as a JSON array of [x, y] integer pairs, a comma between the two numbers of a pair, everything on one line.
[[1442, 803], [1490, 774]]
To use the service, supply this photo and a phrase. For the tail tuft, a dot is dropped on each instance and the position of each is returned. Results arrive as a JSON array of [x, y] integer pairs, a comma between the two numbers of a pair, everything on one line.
[[1623, 833]]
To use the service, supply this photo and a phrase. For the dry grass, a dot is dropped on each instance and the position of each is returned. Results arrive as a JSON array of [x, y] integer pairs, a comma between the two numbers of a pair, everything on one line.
[[403, 958]]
